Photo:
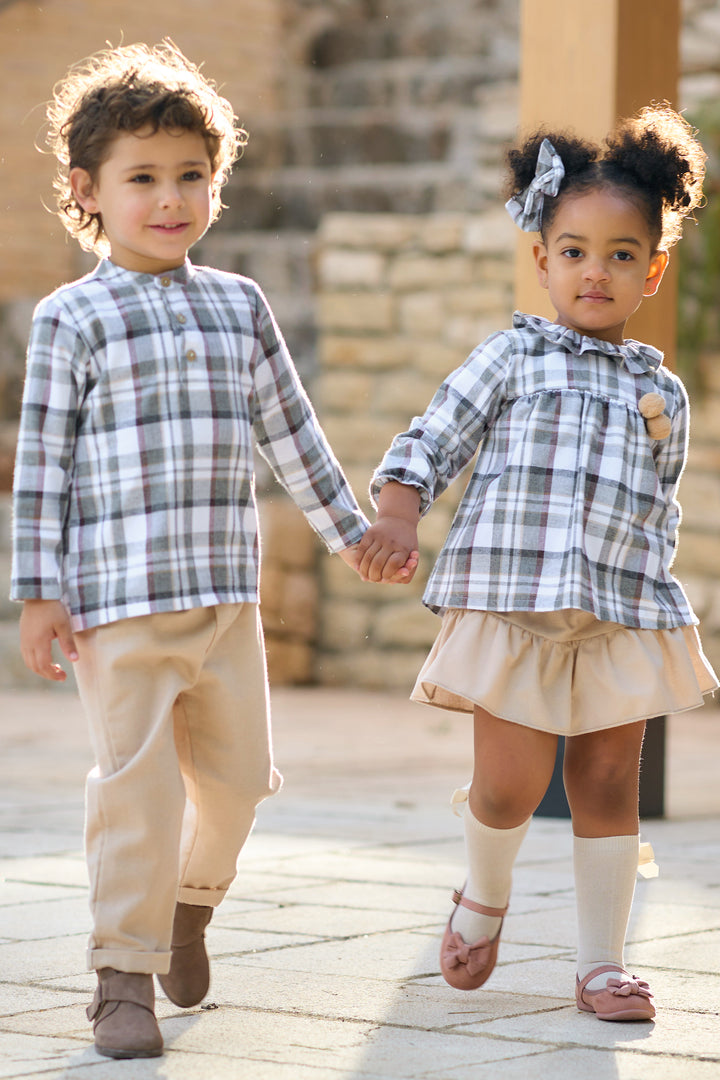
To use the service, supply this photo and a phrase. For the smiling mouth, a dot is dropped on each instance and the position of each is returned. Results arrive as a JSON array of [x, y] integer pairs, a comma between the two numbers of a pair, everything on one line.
[[172, 228]]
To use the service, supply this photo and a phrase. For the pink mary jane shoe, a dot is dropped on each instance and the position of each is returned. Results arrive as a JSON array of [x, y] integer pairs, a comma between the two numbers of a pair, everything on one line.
[[467, 967], [625, 998]]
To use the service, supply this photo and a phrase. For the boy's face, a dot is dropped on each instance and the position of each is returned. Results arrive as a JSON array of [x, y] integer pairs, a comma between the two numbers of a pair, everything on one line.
[[154, 195]]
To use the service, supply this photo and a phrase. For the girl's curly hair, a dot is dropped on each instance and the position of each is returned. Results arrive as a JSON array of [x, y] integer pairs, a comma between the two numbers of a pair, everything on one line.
[[126, 89], [653, 157]]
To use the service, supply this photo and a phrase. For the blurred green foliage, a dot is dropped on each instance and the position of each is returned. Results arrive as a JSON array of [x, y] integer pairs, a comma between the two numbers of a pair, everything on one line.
[[699, 263]]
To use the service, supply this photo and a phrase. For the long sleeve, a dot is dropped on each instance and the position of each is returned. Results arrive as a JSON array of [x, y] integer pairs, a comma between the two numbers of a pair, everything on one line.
[[438, 445], [44, 456], [291, 440]]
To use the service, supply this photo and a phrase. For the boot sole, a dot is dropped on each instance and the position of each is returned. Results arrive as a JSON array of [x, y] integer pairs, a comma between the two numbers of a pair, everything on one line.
[[108, 1051]]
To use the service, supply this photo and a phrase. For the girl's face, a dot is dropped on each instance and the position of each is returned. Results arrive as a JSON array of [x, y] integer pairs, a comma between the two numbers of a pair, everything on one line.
[[597, 262]]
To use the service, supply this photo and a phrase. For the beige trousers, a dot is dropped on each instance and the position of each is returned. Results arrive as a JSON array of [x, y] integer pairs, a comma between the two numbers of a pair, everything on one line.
[[179, 720]]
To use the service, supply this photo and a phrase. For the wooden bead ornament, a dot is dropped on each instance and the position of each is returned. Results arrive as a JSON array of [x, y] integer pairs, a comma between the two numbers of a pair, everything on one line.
[[652, 408]]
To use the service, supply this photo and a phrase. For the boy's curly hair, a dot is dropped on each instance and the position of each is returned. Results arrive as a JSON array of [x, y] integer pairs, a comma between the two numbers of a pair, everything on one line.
[[125, 89], [653, 157]]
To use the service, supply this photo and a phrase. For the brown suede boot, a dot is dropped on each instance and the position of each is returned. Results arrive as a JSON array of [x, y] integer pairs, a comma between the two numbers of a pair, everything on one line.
[[188, 980], [123, 1015]]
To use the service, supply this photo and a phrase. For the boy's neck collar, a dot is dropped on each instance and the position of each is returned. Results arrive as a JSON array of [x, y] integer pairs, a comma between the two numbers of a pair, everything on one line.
[[106, 268]]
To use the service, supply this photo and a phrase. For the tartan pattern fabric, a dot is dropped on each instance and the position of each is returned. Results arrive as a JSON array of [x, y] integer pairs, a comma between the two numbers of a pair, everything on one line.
[[569, 503], [134, 482]]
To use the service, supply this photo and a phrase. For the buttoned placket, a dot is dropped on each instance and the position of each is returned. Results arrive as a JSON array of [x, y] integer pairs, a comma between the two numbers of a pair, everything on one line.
[[189, 346]]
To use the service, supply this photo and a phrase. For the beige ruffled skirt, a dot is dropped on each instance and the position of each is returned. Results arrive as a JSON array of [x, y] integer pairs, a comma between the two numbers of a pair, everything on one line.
[[564, 672]]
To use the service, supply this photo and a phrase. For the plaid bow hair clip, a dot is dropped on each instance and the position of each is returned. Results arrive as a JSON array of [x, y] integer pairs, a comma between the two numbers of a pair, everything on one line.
[[526, 208]]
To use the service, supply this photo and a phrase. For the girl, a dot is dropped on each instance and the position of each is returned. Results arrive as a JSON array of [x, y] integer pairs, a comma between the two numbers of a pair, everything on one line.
[[560, 614]]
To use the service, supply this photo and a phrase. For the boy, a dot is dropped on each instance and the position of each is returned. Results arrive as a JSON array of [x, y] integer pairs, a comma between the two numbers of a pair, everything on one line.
[[135, 536]]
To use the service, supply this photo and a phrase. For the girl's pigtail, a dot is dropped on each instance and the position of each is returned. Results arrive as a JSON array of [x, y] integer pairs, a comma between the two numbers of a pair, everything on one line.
[[658, 152]]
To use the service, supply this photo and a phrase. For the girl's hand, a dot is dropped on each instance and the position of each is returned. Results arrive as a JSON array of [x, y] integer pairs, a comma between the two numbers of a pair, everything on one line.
[[41, 622], [388, 552], [392, 574]]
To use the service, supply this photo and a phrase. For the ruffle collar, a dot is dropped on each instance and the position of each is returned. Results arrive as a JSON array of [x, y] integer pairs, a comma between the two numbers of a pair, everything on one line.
[[638, 358]]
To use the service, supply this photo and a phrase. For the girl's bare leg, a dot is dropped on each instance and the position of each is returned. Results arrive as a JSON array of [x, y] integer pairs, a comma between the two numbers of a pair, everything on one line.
[[513, 766], [602, 780]]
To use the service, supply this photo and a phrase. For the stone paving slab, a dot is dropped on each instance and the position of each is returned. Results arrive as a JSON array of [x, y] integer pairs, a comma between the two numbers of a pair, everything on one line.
[[325, 961]]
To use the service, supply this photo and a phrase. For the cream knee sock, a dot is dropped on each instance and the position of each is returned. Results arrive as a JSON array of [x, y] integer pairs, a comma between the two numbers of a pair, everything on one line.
[[491, 854], [605, 869]]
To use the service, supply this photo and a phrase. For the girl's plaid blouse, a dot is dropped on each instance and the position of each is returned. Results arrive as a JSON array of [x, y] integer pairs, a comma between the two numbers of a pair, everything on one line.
[[134, 483], [569, 504]]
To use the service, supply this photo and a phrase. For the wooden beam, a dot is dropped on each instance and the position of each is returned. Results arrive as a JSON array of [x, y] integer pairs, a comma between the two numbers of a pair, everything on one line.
[[584, 66]]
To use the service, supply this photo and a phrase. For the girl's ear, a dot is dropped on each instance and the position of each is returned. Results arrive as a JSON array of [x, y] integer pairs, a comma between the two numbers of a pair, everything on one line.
[[83, 188], [658, 265], [541, 259]]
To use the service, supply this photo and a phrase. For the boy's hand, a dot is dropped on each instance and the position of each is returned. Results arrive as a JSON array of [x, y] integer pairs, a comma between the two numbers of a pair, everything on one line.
[[41, 622], [388, 552]]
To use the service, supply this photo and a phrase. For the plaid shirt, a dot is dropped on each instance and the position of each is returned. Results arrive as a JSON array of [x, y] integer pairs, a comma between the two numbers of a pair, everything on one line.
[[570, 504], [134, 483]]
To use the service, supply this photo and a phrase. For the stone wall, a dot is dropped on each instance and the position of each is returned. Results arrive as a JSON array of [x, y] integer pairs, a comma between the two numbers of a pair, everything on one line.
[[402, 300]]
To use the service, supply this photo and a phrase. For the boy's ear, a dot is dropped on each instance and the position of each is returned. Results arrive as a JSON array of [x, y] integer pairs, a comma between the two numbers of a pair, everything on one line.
[[83, 188], [658, 266], [541, 258]]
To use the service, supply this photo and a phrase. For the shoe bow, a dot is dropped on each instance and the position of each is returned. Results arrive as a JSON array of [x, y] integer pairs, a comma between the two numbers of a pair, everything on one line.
[[629, 987], [457, 952]]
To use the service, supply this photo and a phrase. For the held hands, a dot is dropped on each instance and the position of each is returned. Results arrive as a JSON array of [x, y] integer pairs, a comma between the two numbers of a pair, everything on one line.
[[41, 622], [388, 552], [370, 556]]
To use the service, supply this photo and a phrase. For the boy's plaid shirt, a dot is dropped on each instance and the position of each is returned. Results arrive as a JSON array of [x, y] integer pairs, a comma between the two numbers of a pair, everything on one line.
[[134, 482], [569, 504]]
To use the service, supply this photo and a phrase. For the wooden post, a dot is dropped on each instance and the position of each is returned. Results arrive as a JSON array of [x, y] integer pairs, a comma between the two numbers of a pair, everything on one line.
[[584, 66]]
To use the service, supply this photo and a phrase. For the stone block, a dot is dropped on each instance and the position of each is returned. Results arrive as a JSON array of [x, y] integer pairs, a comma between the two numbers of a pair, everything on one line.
[[381, 232], [487, 298], [359, 438], [286, 537], [340, 584], [703, 423], [466, 332], [496, 270], [345, 624], [436, 358], [703, 457], [289, 603], [405, 624], [341, 269], [344, 391], [402, 394], [412, 272], [290, 663], [698, 554], [700, 498], [356, 311], [422, 315], [358, 476], [492, 233], [442, 233], [372, 669], [365, 352]]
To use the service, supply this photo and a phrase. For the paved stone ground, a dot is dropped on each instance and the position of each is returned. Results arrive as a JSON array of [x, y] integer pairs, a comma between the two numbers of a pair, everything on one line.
[[325, 953]]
